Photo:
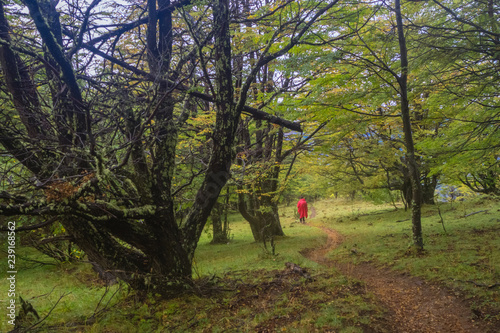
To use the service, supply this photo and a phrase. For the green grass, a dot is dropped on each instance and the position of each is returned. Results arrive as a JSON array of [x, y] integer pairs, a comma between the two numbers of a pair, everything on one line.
[[465, 257], [250, 289], [254, 296], [74, 287], [244, 253]]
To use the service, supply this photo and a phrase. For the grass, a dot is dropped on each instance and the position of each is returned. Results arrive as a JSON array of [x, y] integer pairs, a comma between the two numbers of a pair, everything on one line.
[[465, 255], [244, 253], [248, 289], [73, 287]]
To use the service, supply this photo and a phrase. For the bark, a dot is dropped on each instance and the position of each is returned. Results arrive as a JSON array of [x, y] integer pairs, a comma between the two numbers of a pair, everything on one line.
[[428, 186], [24, 99], [257, 225], [168, 258], [428, 189], [258, 202], [105, 252], [77, 114], [263, 219]]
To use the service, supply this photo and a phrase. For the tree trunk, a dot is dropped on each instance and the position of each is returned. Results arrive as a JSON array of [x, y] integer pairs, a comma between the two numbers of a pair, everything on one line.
[[219, 230], [428, 189], [226, 123], [416, 203], [257, 202]]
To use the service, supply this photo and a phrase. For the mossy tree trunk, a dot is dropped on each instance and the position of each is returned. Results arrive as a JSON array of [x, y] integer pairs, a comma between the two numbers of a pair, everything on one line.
[[262, 160], [258, 199], [428, 185]]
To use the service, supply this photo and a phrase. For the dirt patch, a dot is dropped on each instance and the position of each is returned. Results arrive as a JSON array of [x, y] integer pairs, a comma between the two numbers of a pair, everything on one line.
[[319, 254], [312, 212], [413, 304]]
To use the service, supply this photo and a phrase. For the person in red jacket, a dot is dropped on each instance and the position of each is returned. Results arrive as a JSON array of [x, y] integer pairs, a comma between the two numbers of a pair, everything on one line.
[[302, 208]]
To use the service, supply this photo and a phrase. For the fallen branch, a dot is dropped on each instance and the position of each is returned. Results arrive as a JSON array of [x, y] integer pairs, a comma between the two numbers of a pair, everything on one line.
[[489, 286], [481, 211], [297, 269]]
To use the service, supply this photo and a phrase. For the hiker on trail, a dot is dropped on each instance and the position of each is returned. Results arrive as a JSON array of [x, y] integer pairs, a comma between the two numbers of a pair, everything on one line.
[[302, 208]]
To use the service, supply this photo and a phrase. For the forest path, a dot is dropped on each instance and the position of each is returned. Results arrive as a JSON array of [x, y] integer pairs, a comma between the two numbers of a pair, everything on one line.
[[413, 305]]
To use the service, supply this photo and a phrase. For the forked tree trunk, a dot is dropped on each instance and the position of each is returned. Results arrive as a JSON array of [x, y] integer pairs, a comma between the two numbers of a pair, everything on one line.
[[257, 202]]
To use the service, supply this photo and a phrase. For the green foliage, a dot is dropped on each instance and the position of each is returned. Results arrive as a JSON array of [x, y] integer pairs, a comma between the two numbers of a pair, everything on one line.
[[452, 90]]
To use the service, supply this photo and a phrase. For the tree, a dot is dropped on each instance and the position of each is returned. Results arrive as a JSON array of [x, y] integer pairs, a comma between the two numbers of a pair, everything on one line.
[[259, 170], [259, 175], [367, 93], [94, 115], [220, 229], [402, 80], [461, 40]]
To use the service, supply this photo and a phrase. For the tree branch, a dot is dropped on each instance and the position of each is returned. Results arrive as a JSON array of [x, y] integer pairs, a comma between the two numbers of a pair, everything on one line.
[[32, 226], [255, 113]]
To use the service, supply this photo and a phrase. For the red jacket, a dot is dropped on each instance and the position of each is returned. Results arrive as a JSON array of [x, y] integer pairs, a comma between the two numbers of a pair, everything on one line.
[[302, 207]]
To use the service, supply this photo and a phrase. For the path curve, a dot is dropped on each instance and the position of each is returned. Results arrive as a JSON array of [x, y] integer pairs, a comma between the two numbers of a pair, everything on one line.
[[413, 304]]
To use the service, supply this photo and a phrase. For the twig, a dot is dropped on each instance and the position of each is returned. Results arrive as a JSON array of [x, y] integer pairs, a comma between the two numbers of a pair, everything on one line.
[[32, 260], [441, 217], [50, 292], [100, 301], [489, 286], [107, 303], [48, 314], [31, 227], [56, 239]]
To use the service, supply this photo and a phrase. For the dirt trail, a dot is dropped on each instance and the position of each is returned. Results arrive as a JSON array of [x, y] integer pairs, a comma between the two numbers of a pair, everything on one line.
[[413, 305]]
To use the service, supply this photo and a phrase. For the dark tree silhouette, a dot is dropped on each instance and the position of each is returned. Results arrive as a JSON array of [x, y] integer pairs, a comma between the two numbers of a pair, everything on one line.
[[92, 107]]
